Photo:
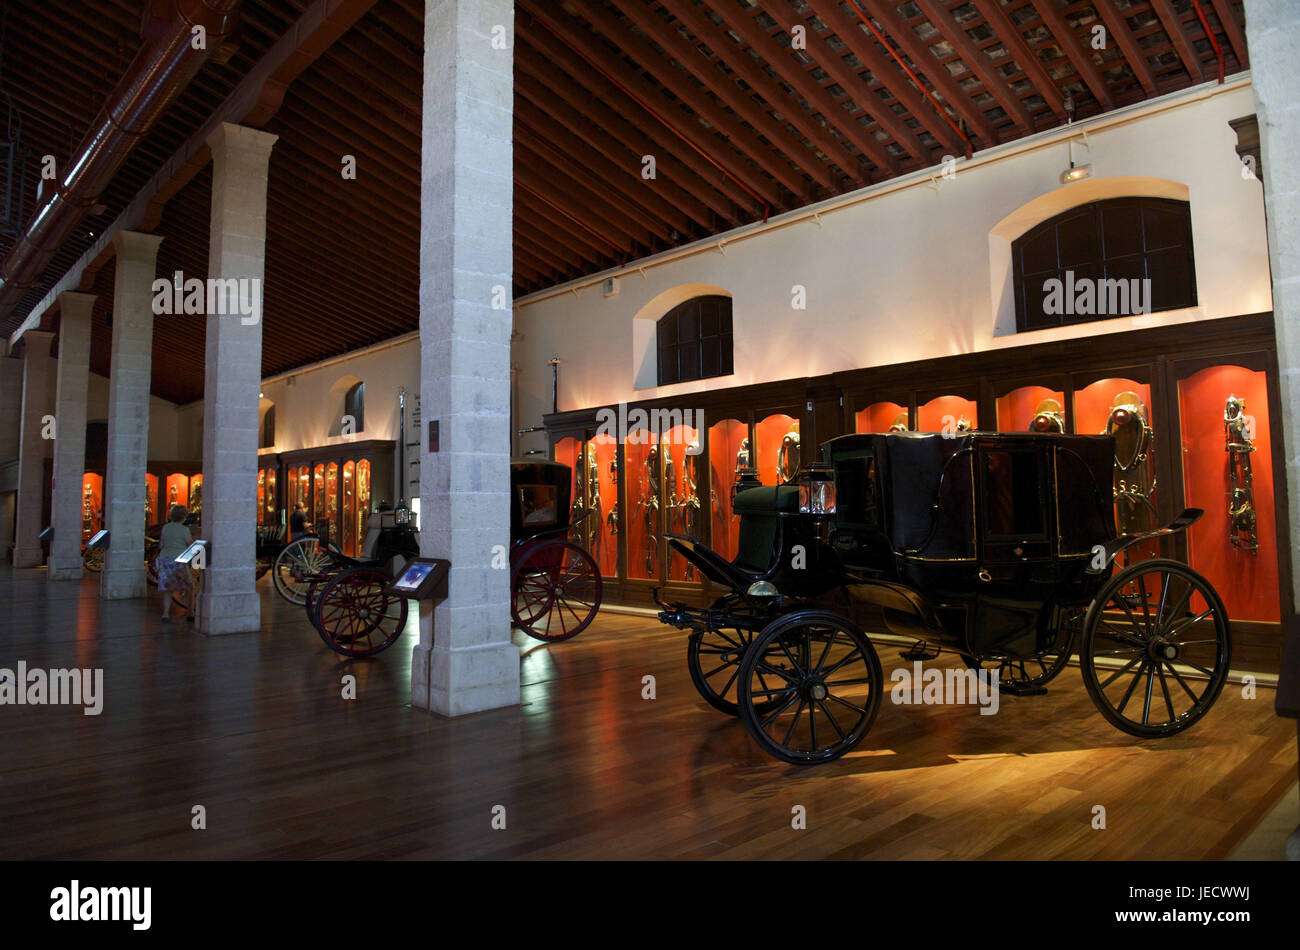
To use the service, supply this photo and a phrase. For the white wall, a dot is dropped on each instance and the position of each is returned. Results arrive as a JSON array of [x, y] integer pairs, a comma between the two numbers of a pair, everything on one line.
[[163, 420], [910, 273]]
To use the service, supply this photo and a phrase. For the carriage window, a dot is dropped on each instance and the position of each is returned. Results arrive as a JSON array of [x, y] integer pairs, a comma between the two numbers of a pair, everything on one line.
[[1013, 495], [855, 491], [537, 504]]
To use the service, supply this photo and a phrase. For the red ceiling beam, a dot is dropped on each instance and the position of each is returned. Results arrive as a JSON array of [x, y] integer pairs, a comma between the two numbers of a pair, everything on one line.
[[1080, 58], [901, 32], [1028, 61], [1174, 30], [886, 72], [1228, 20], [690, 58], [1117, 26], [652, 100], [780, 59]]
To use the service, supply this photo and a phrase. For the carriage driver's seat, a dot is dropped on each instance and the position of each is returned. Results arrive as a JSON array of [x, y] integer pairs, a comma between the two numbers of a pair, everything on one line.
[[760, 525]]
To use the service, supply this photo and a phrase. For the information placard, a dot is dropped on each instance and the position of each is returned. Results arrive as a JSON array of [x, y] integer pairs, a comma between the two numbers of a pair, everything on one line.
[[424, 578]]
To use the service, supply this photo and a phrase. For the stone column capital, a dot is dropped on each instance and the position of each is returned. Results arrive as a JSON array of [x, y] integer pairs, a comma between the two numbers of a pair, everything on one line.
[[230, 139], [136, 245], [74, 303], [37, 342]]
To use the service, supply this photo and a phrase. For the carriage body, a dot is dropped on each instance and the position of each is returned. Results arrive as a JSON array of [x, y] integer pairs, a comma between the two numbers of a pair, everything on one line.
[[999, 547]]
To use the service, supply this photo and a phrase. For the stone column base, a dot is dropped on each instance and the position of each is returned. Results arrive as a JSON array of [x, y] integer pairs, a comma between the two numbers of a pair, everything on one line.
[[123, 583], [65, 572], [229, 613], [28, 557], [469, 680]]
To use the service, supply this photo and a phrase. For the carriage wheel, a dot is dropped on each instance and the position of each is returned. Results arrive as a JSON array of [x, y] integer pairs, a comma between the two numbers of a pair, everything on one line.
[[92, 559], [810, 687], [713, 656], [151, 562], [315, 585], [1036, 671], [1162, 634], [355, 617], [297, 565], [555, 591]]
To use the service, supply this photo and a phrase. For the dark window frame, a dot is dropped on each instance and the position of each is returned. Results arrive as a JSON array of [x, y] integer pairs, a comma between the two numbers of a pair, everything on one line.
[[1098, 240], [694, 341], [266, 432], [354, 404]]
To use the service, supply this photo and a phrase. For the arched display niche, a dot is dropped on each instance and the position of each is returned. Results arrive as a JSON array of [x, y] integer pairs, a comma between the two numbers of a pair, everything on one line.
[[645, 369], [1046, 206]]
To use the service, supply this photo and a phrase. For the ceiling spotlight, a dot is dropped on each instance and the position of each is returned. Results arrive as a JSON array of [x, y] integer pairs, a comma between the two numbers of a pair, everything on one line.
[[1076, 173]]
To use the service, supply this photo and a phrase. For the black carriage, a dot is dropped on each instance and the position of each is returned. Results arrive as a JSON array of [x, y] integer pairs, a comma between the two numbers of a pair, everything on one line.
[[555, 586], [998, 547]]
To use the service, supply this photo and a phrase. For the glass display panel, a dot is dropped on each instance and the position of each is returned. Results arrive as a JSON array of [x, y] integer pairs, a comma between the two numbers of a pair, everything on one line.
[[363, 504], [151, 515], [178, 493], [1018, 408], [880, 417], [568, 451], [351, 536], [644, 472], [729, 452], [953, 413], [602, 458], [320, 512], [261, 496], [92, 505], [1108, 406], [271, 500], [1244, 570], [777, 449], [196, 495], [681, 498]]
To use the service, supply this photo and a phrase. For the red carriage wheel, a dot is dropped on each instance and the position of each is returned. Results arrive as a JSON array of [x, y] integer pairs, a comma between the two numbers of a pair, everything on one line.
[[355, 617], [555, 590]]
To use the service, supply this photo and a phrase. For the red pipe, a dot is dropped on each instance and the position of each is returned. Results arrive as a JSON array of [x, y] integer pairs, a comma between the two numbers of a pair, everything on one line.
[[160, 71], [767, 208], [582, 224], [970, 148], [1205, 25]]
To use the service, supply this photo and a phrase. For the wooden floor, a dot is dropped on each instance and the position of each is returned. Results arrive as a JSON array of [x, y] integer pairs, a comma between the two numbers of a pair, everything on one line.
[[254, 728]]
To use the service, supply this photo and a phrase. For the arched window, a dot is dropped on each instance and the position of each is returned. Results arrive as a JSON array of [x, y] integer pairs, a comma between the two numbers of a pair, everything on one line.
[[694, 340], [1112, 258], [268, 428], [354, 405]]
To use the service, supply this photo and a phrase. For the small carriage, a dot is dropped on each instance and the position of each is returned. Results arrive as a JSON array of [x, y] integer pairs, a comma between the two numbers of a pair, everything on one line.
[[555, 586], [999, 547]]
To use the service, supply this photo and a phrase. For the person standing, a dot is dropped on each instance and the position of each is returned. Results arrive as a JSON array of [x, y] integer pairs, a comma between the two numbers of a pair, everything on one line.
[[173, 577], [297, 523]]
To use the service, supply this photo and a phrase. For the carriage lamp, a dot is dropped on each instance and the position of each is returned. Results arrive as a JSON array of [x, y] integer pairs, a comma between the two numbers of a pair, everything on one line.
[[746, 478], [763, 589], [817, 490], [402, 515]]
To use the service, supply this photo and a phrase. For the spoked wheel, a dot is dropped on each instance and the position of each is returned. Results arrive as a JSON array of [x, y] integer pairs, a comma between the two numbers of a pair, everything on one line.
[[1035, 672], [809, 687], [713, 657], [297, 565], [92, 559], [555, 590], [354, 615], [310, 600], [1155, 648]]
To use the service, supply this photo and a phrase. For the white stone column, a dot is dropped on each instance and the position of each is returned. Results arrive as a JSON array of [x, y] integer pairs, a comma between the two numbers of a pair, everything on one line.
[[128, 414], [33, 443], [465, 661], [70, 436], [233, 376]]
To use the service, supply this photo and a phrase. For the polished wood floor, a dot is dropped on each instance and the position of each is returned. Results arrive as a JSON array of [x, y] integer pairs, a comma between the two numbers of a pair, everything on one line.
[[254, 729]]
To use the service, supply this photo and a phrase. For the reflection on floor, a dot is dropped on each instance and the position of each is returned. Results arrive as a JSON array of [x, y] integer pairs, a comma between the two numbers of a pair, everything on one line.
[[254, 728]]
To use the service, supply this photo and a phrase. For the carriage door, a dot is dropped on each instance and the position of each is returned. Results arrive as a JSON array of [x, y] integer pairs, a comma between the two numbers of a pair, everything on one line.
[[1015, 514]]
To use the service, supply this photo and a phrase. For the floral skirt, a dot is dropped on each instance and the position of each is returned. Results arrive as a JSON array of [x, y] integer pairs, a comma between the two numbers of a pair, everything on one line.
[[172, 576]]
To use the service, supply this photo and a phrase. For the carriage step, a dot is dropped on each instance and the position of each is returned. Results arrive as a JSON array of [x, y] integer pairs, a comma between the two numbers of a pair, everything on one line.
[[919, 651], [1017, 688]]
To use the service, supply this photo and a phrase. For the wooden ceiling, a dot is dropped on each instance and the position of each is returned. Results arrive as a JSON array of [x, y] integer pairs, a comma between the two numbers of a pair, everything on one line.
[[748, 109]]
